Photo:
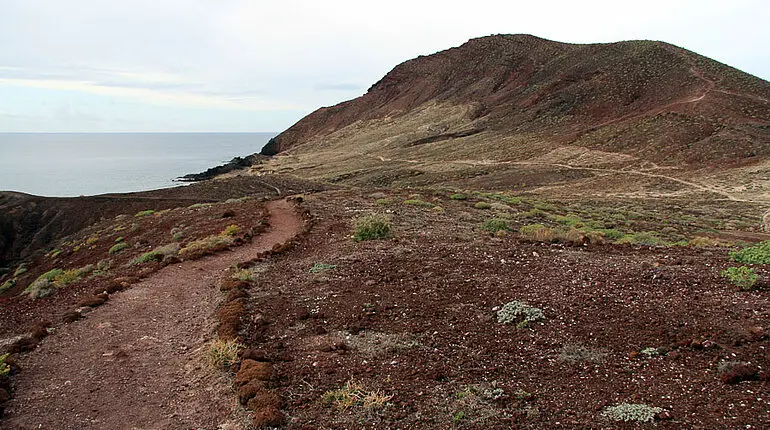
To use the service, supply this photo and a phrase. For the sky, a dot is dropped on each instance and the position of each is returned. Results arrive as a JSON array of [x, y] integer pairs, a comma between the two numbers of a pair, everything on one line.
[[243, 66]]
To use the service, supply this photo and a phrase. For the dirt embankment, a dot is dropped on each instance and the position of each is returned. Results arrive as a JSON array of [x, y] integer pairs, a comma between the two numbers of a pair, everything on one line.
[[137, 362]]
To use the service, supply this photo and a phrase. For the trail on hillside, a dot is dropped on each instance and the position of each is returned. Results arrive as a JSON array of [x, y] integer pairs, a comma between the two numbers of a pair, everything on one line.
[[137, 361]]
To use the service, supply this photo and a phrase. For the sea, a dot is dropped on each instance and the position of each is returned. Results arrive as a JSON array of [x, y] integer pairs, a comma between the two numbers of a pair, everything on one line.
[[86, 164]]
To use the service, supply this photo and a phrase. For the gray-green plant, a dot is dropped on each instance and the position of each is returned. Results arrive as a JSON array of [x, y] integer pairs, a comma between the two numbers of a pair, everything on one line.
[[632, 412], [520, 313], [145, 213], [322, 267], [494, 225], [4, 367], [114, 249]]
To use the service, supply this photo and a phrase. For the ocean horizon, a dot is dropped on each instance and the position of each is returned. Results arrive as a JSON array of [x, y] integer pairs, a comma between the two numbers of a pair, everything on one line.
[[87, 164]]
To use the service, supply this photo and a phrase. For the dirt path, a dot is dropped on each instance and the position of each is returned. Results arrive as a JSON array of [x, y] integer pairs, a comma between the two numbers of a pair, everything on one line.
[[137, 362]]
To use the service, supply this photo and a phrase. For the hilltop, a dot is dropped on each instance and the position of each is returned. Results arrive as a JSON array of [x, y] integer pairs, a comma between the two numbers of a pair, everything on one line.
[[520, 112]]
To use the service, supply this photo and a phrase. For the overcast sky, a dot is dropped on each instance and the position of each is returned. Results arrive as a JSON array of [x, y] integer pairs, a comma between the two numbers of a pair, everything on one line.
[[238, 65]]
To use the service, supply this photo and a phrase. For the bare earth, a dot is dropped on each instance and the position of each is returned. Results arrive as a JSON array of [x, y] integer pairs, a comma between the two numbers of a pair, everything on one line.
[[137, 362]]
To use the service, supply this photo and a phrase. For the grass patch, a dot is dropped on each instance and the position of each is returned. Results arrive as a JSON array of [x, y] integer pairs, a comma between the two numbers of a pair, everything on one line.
[[371, 227], [641, 238], [22, 269], [384, 201], [144, 213], [223, 354], [494, 225], [482, 205], [417, 202], [537, 232], [756, 254], [458, 196], [352, 394], [243, 275], [742, 277], [114, 249]]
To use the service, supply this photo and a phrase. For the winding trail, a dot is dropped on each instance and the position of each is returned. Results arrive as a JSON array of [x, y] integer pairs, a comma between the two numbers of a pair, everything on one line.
[[137, 362]]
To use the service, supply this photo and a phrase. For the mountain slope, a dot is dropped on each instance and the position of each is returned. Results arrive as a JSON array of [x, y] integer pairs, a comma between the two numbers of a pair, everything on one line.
[[518, 98]]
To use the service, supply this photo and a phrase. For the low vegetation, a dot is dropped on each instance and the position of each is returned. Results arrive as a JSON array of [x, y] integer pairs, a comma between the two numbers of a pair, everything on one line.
[[223, 354], [322, 267], [756, 254], [742, 277], [495, 225], [207, 245], [47, 283], [118, 247], [417, 202], [4, 367], [159, 253], [631, 412], [353, 394], [519, 313], [144, 213], [372, 227]]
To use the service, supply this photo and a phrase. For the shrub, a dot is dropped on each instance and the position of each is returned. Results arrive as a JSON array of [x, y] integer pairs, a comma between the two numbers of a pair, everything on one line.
[[383, 201], [207, 245], [756, 254], [43, 286], [595, 237], [118, 247], [520, 313], [631, 412], [144, 213], [537, 232], [742, 277], [7, 285], [159, 253], [222, 354], [67, 277], [482, 205], [230, 230], [458, 196], [415, 202], [372, 227], [494, 225], [22, 269], [321, 267], [352, 394], [5, 369]]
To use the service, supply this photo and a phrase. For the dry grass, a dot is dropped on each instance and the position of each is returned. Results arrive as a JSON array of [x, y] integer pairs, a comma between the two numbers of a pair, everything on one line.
[[207, 245], [353, 394], [537, 232], [223, 354]]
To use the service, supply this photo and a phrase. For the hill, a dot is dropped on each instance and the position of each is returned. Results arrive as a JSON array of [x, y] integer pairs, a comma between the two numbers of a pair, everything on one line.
[[517, 111]]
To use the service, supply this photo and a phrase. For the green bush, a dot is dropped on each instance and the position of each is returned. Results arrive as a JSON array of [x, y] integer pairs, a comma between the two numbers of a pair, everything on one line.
[[416, 202], [494, 225], [118, 247], [756, 254], [641, 238], [43, 286], [7, 285], [158, 254], [743, 277], [384, 201], [5, 369], [458, 196], [230, 230], [371, 227], [145, 213], [482, 205], [22, 269], [611, 233]]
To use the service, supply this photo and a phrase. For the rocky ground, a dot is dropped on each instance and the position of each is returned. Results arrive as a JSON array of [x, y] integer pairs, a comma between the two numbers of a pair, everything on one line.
[[406, 331]]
